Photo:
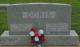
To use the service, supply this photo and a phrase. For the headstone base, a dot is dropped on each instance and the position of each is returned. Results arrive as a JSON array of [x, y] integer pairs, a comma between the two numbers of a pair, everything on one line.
[[71, 39]]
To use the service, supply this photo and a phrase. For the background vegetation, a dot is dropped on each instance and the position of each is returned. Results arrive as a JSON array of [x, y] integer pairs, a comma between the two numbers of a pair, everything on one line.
[[75, 12]]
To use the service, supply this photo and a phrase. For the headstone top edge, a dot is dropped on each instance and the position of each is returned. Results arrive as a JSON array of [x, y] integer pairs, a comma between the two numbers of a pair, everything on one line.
[[41, 3]]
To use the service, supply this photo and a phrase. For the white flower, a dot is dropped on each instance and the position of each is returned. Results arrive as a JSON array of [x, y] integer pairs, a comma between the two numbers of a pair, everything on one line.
[[31, 33], [41, 31], [36, 39]]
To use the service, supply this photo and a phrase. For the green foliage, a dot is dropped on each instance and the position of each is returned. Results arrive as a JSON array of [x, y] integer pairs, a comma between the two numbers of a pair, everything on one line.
[[3, 21]]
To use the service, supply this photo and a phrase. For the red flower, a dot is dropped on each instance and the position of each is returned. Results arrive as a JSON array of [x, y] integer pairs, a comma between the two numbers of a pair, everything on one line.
[[33, 41], [43, 39], [33, 29], [36, 34]]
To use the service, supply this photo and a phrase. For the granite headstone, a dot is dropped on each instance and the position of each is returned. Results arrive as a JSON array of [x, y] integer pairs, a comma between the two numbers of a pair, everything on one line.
[[55, 19]]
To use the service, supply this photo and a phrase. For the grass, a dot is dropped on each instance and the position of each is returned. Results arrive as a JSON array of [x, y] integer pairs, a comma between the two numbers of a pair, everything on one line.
[[3, 21], [75, 12]]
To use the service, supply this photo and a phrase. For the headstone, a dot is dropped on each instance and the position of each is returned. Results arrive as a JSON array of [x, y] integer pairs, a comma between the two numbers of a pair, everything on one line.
[[53, 18]]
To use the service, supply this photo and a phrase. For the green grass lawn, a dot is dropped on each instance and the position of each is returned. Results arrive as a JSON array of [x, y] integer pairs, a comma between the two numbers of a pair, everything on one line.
[[75, 12], [3, 21]]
